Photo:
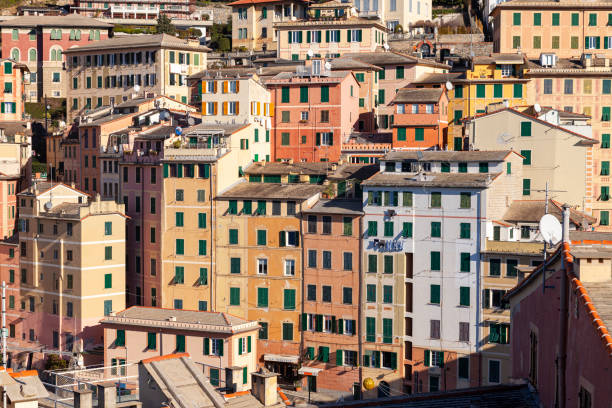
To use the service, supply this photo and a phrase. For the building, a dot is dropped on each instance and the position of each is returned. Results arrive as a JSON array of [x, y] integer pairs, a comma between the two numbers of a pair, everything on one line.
[[420, 119], [127, 67], [141, 10], [229, 97], [221, 343], [422, 314], [398, 71], [14, 76], [329, 30], [490, 81], [332, 300], [580, 86], [314, 111], [253, 21], [259, 265], [573, 313], [22, 389], [557, 150], [72, 258], [16, 153], [397, 15], [39, 42], [566, 28]]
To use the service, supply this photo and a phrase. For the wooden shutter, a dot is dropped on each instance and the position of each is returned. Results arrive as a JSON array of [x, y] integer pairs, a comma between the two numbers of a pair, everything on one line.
[[248, 344], [237, 86], [339, 357], [224, 108], [206, 346], [237, 108], [240, 346]]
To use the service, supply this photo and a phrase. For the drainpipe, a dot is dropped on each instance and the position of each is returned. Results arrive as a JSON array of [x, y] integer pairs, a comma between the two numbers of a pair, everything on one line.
[[478, 284], [212, 228], [360, 308], [303, 283], [563, 314]]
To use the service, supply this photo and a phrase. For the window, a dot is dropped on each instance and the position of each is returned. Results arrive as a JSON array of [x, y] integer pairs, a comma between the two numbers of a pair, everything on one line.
[[464, 262], [465, 200], [568, 86], [434, 294], [434, 329], [419, 134], [436, 229], [372, 263], [480, 91], [326, 293], [387, 294], [399, 72], [108, 253], [234, 296], [548, 86], [592, 19], [235, 265], [436, 200], [464, 296], [312, 258], [516, 42], [526, 187], [387, 330], [347, 296], [498, 333], [288, 331], [262, 297], [555, 42], [604, 218], [263, 330], [108, 281], [407, 230], [584, 398], [516, 19], [511, 268], [327, 260], [464, 230], [605, 141], [179, 219], [434, 260], [289, 267]]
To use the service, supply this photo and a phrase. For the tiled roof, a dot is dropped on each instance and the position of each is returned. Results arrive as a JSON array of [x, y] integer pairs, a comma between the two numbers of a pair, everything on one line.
[[336, 206], [500, 59], [443, 180], [136, 313], [354, 171], [420, 95], [497, 396], [348, 22], [69, 21], [227, 128], [450, 156], [532, 210], [333, 76], [353, 64], [554, 4], [139, 41], [231, 72], [253, 2], [271, 191], [513, 247], [284, 168], [391, 57]]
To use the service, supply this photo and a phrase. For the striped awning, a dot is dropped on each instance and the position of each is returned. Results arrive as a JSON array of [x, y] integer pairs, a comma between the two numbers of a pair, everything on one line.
[[309, 371], [281, 359]]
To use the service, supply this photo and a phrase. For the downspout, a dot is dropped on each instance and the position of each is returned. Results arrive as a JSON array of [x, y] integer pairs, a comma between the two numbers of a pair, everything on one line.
[[360, 309], [563, 312], [478, 284], [142, 237], [213, 219], [303, 283]]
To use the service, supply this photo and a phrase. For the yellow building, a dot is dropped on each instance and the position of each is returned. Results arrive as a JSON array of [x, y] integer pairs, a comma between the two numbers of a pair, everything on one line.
[[72, 265], [490, 80], [259, 264]]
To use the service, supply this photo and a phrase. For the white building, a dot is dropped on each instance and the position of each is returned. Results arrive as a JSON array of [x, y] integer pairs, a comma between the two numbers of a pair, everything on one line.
[[424, 230], [395, 12]]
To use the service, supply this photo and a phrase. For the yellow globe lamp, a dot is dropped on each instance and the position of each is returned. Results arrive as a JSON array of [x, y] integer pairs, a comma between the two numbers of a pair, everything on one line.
[[368, 383]]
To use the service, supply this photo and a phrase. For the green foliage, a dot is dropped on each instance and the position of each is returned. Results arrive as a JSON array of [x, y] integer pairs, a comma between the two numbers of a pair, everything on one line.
[[55, 362], [220, 35], [164, 25], [38, 167], [399, 29], [134, 29]]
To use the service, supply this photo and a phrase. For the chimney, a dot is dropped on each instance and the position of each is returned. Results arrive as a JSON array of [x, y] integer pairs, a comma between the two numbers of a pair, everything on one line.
[[83, 398]]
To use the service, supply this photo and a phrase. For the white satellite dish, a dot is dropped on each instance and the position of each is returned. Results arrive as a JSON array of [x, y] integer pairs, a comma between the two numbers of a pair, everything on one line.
[[449, 85], [550, 229], [310, 53], [537, 108], [136, 88], [190, 121], [386, 46], [328, 65]]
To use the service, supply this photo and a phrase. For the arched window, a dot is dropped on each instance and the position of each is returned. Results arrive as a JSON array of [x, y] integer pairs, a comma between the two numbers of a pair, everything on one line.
[[32, 56], [15, 54], [56, 54], [94, 35]]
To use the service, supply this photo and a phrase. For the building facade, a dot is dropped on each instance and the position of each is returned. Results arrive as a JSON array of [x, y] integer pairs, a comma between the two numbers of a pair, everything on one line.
[[141, 10], [15, 77], [123, 68], [72, 258], [39, 42], [397, 15]]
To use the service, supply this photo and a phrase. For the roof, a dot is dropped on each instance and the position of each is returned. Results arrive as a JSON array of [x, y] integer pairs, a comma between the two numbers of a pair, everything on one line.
[[283, 77], [601, 295], [497, 396], [345, 22], [569, 67], [563, 114], [185, 319], [552, 4], [532, 210], [139, 41], [13, 128], [227, 128], [500, 59], [336, 206], [437, 78], [271, 191], [591, 237], [231, 72], [354, 64], [330, 4], [67, 209], [22, 386], [450, 155], [391, 58], [421, 95], [130, 103], [442, 180], [513, 247], [533, 118], [354, 171], [253, 2], [68, 21], [283, 168]]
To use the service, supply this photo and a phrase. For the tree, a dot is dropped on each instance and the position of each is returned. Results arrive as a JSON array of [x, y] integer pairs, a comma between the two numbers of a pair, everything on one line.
[[164, 25]]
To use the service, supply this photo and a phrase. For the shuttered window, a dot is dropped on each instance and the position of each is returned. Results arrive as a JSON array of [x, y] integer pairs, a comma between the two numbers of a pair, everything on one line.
[[234, 296], [464, 296], [434, 294], [289, 299]]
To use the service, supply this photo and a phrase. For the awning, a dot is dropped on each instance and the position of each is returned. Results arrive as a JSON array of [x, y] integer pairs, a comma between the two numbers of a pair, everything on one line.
[[281, 359], [311, 371]]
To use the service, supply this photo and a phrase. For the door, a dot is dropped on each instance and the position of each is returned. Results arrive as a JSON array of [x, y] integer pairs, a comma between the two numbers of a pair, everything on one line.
[[312, 383], [458, 144], [214, 376]]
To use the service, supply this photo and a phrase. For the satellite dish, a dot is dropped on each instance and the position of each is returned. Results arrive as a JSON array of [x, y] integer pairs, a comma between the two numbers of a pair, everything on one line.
[[537, 108], [136, 88], [328, 65], [48, 205], [178, 130], [449, 85], [310, 53], [550, 229], [164, 115], [190, 121], [386, 46]]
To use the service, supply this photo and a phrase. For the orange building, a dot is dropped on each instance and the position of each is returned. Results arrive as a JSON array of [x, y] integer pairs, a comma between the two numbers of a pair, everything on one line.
[[421, 118], [331, 231], [315, 110]]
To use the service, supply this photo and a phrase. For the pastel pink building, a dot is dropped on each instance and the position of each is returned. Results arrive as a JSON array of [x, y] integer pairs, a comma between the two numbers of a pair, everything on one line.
[[568, 359], [39, 43]]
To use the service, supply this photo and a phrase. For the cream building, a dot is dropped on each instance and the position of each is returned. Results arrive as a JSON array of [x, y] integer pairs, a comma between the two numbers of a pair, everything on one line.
[[556, 149], [112, 71], [72, 265], [395, 13]]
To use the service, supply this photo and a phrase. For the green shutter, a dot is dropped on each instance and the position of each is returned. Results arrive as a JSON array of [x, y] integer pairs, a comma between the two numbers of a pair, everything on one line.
[[262, 297], [526, 187], [434, 294], [427, 358], [324, 93], [419, 134], [435, 260], [480, 90], [516, 19], [527, 157], [339, 357], [464, 296], [525, 128], [234, 296], [240, 346]]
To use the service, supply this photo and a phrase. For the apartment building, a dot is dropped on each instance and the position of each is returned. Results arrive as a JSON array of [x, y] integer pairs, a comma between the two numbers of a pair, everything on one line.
[[16, 154], [420, 119], [557, 150], [566, 28], [314, 110], [39, 42], [14, 76], [259, 265], [398, 71], [540, 312], [491, 81], [224, 346], [396, 14], [580, 87], [129, 67], [231, 98], [72, 258], [136, 10], [253, 21], [331, 245], [329, 30], [415, 327]]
